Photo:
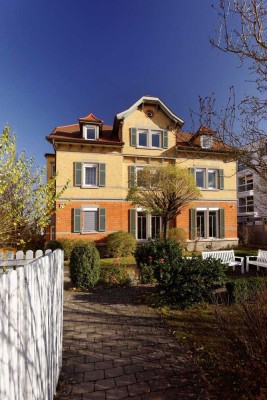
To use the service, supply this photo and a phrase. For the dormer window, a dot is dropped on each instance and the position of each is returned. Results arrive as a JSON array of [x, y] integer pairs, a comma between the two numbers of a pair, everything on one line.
[[90, 132], [206, 141]]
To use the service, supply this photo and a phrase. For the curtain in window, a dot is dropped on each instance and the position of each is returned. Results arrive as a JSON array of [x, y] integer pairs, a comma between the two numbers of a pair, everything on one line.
[[90, 175]]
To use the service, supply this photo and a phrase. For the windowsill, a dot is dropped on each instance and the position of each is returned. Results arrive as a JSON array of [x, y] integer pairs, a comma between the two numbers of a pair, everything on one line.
[[149, 148], [90, 232], [89, 187], [210, 189]]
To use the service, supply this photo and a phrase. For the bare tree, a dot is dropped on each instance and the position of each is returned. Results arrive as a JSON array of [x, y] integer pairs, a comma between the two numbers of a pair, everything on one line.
[[163, 191], [242, 30]]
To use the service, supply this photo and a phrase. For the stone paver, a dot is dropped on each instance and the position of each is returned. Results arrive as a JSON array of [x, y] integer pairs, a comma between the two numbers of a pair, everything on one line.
[[116, 348]]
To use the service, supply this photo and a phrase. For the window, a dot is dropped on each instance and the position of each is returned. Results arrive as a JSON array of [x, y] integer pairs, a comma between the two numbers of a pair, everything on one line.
[[144, 226], [90, 220], [149, 138], [200, 178], [206, 223], [245, 183], [89, 175], [143, 138], [53, 169], [246, 205], [86, 220], [90, 132], [212, 179], [206, 141], [208, 178], [134, 176]]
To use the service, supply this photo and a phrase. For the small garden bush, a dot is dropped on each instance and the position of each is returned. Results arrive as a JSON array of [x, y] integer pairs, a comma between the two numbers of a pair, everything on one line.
[[244, 289], [149, 256], [114, 275], [53, 245], [120, 244], [189, 281], [178, 235], [69, 244], [84, 266]]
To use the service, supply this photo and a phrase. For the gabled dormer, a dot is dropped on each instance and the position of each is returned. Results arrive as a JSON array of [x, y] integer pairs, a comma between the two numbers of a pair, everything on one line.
[[203, 137], [90, 127]]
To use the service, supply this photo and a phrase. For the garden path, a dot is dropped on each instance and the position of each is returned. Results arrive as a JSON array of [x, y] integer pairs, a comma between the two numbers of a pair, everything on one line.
[[116, 348]]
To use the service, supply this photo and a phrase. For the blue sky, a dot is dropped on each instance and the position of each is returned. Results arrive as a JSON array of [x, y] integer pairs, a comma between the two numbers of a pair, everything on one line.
[[61, 60]]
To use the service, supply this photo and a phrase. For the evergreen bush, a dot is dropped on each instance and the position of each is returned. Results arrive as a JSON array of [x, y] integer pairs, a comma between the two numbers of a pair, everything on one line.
[[153, 253], [244, 289], [69, 244], [188, 281], [84, 266], [120, 244], [53, 245]]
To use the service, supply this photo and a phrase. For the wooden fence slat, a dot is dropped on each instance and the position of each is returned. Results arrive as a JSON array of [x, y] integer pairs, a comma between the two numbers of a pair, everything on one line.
[[31, 314], [4, 350], [12, 334]]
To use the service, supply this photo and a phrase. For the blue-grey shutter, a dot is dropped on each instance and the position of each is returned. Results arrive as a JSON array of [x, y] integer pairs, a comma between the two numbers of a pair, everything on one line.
[[222, 223], [76, 220], [165, 139], [221, 179], [192, 223], [133, 133], [102, 174], [132, 222], [102, 219], [192, 171], [77, 174], [131, 176]]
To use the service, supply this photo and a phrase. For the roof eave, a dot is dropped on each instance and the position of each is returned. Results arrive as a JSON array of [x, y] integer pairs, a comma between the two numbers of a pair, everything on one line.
[[151, 100]]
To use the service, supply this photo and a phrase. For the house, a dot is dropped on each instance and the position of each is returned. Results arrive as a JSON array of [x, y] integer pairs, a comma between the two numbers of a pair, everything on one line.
[[251, 194], [101, 162]]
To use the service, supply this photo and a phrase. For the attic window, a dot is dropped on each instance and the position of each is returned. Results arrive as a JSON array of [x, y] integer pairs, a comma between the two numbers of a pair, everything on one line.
[[149, 114], [206, 141], [90, 132]]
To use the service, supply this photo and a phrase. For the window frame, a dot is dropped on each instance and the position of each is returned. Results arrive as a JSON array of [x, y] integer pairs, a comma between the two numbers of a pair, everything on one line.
[[88, 165], [96, 130], [208, 140], [148, 227], [150, 133], [218, 185], [195, 218], [94, 210]]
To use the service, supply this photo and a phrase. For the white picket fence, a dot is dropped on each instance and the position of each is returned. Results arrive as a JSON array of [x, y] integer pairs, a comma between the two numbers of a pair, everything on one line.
[[31, 322]]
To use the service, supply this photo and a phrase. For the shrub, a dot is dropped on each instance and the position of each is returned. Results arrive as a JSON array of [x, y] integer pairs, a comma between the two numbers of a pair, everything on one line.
[[120, 244], [69, 244], [146, 273], [154, 252], [115, 275], [53, 245], [189, 281], [178, 235], [84, 266], [244, 289], [244, 327]]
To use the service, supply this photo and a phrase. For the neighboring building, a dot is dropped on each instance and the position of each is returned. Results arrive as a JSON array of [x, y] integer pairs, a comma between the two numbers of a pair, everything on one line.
[[251, 193], [101, 161]]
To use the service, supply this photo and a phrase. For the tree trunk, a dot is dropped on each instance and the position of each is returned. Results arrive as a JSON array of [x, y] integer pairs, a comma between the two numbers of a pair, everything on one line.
[[165, 224]]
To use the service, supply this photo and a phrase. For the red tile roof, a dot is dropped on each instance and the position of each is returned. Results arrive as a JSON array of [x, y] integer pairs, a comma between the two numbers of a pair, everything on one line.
[[72, 133], [91, 118]]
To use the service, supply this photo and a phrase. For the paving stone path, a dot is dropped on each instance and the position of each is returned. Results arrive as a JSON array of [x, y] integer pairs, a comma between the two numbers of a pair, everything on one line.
[[115, 348]]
